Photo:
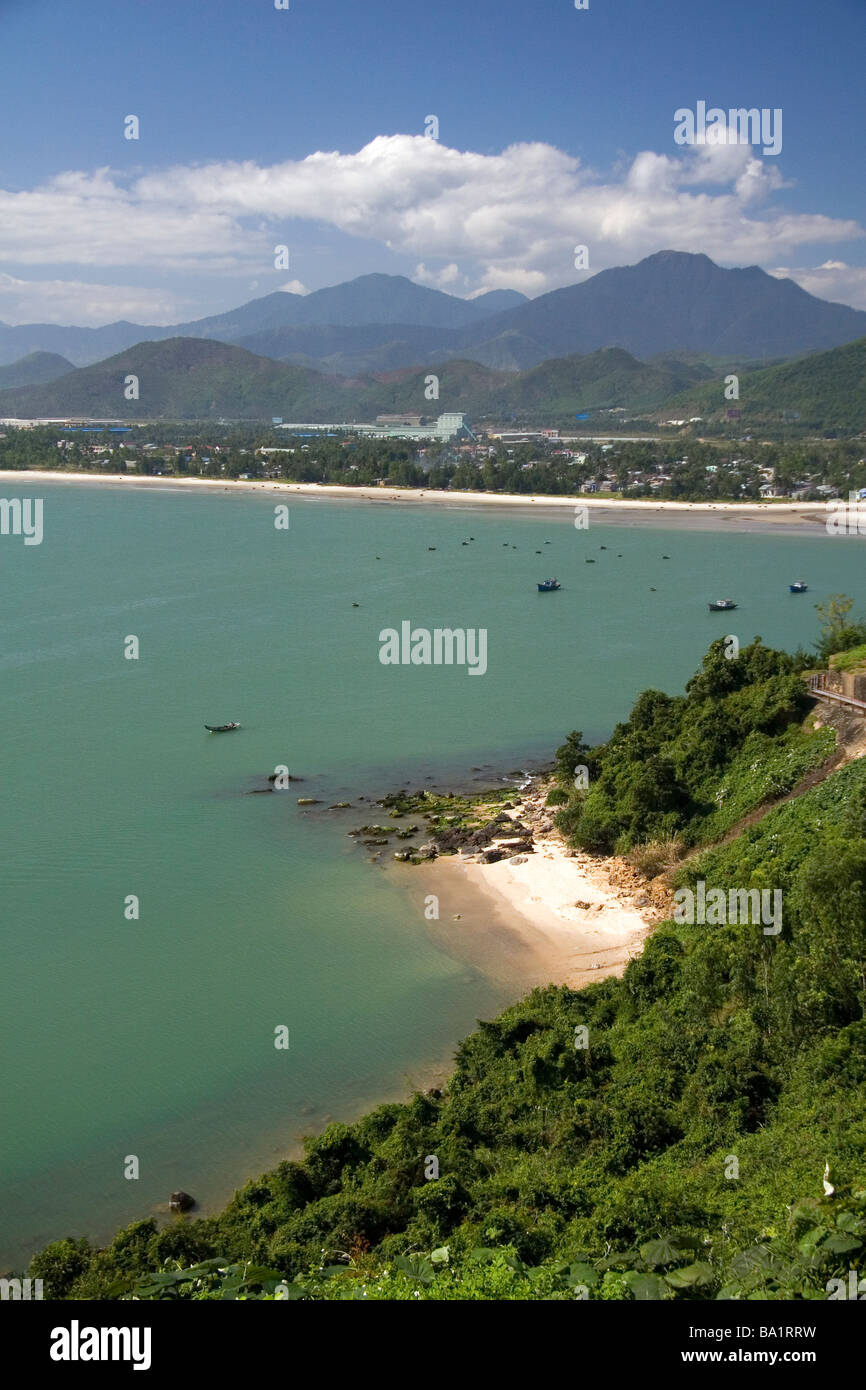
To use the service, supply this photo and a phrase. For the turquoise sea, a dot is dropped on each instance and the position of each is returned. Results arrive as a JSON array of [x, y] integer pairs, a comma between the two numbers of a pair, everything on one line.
[[155, 1037]]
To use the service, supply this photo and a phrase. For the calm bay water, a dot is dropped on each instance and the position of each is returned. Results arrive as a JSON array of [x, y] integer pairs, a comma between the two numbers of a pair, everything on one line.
[[155, 1037]]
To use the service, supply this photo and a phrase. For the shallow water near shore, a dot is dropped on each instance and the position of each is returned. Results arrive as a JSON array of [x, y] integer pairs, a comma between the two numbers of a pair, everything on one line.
[[155, 1037]]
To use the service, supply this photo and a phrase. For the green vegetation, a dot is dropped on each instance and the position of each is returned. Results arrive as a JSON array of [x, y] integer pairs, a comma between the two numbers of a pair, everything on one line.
[[849, 661], [679, 466], [664, 1135], [839, 634], [825, 389], [692, 766]]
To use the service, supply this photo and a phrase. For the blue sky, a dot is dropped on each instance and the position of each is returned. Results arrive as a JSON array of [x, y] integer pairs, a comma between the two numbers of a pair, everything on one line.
[[305, 127]]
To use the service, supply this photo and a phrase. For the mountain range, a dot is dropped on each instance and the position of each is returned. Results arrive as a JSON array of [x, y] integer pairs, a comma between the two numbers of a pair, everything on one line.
[[671, 302], [377, 303], [196, 378]]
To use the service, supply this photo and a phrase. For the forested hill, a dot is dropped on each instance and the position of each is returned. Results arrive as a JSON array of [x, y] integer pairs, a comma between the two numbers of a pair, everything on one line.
[[662, 1135], [824, 390]]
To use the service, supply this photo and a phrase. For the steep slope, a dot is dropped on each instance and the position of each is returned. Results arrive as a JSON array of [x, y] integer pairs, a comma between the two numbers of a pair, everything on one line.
[[673, 301], [827, 390]]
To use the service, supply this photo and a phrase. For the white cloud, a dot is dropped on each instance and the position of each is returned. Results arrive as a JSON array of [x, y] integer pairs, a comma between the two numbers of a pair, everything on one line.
[[486, 221], [448, 278], [845, 284], [294, 287], [84, 302]]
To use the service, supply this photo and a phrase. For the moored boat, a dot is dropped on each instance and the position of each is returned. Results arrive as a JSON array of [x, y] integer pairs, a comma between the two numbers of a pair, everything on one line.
[[221, 728], [798, 587], [547, 586], [722, 605]]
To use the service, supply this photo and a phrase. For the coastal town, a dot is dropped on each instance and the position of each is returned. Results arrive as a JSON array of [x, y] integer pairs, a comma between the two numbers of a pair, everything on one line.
[[449, 454]]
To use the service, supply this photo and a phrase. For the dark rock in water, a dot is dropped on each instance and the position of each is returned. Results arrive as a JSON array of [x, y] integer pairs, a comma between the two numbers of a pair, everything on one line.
[[340, 806], [308, 801], [260, 791], [180, 1201], [289, 778]]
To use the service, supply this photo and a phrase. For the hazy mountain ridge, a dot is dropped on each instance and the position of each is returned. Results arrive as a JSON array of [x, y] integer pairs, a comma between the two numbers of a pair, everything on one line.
[[670, 302], [371, 300]]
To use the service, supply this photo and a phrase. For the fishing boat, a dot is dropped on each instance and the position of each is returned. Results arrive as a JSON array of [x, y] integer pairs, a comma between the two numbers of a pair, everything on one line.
[[221, 728], [798, 587], [547, 586], [722, 605]]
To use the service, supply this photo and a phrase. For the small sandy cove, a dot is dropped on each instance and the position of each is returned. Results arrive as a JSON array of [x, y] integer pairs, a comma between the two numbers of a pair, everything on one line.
[[555, 915], [701, 515]]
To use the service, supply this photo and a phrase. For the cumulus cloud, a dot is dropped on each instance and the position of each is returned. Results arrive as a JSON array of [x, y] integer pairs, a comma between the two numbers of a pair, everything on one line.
[[470, 221], [448, 278]]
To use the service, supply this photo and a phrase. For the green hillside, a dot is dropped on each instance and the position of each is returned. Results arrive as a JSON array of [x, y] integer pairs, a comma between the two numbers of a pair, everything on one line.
[[34, 369], [826, 389], [180, 379], [196, 378], [675, 1149]]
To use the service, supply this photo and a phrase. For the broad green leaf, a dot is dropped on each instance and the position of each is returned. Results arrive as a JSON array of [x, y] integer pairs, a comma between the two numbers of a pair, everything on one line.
[[839, 1243], [759, 1258], [646, 1287], [417, 1267], [693, 1276], [482, 1254], [580, 1273], [806, 1246], [664, 1251]]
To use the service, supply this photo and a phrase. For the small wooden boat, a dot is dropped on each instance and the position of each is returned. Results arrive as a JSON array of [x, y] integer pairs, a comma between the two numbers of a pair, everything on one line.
[[722, 605], [799, 587], [547, 586], [221, 728]]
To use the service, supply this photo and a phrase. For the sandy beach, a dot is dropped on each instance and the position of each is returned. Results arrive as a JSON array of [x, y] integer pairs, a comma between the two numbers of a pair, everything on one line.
[[553, 916], [775, 516]]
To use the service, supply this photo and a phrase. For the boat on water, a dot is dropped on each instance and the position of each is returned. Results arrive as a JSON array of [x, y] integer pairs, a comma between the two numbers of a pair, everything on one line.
[[722, 605], [221, 728], [798, 587], [547, 586]]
